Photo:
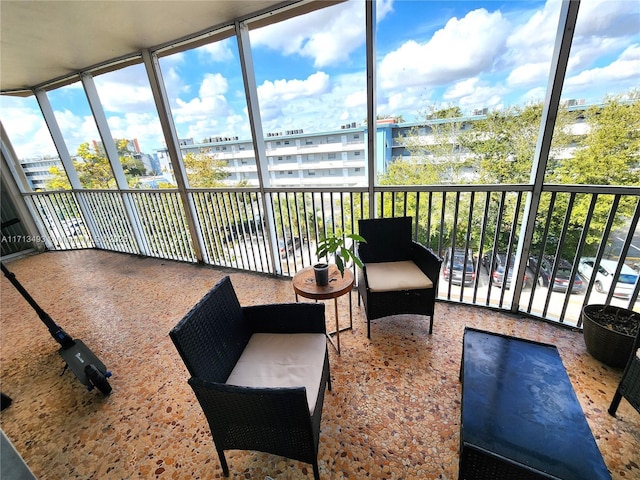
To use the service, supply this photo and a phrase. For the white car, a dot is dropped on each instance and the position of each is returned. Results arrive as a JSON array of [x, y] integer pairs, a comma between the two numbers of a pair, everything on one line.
[[604, 278]]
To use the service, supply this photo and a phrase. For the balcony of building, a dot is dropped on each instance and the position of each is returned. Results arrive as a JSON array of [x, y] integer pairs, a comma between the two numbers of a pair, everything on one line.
[[393, 412]]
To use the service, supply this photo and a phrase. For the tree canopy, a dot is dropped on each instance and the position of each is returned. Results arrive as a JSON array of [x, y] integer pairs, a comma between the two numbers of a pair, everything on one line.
[[94, 170], [500, 148], [205, 170]]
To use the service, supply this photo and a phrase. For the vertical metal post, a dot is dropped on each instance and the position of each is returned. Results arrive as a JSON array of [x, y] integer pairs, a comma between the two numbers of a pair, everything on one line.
[[255, 122], [370, 15], [559, 61], [173, 148], [58, 139], [67, 163], [111, 151]]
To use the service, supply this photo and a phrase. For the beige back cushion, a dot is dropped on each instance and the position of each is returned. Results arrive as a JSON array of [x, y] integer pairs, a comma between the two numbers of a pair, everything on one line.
[[282, 360], [395, 276]]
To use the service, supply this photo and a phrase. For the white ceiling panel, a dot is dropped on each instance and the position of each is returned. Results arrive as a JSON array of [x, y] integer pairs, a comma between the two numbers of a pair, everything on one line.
[[45, 40]]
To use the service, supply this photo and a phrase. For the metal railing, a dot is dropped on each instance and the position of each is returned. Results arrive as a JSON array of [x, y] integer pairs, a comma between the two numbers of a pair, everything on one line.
[[276, 231]]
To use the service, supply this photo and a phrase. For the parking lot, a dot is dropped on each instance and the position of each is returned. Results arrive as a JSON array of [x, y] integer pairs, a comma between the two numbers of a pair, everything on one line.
[[553, 305]]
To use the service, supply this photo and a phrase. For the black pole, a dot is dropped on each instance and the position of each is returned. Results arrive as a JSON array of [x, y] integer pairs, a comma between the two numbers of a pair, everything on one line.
[[59, 335]]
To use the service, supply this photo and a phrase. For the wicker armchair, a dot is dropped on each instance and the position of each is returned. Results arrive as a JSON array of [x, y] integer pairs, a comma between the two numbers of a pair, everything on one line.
[[245, 364], [629, 386], [399, 275]]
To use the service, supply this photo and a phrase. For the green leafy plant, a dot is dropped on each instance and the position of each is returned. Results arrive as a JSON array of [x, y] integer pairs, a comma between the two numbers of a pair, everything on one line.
[[334, 243]]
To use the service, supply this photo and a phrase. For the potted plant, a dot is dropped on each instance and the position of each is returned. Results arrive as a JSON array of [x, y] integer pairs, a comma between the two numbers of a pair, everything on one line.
[[334, 244], [609, 333]]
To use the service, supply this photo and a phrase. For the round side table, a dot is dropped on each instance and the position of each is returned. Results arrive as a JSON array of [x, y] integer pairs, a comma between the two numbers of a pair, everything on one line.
[[304, 284]]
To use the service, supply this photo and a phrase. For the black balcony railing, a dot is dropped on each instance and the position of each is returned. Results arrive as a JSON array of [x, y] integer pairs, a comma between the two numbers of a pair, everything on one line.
[[273, 231]]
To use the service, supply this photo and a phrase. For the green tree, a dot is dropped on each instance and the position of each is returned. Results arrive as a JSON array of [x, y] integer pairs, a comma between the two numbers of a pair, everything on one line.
[[609, 153], [58, 180], [436, 154], [503, 144], [205, 170], [606, 155], [94, 170]]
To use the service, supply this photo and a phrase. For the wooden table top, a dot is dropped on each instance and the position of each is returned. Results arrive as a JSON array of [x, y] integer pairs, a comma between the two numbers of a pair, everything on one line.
[[304, 283]]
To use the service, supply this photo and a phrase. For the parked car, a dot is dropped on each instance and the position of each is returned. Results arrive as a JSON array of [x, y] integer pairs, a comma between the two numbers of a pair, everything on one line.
[[293, 245], [496, 273], [457, 271], [604, 277], [560, 282]]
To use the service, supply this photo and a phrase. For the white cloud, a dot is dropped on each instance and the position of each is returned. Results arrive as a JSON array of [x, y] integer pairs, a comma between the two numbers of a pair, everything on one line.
[[327, 36], [213, 84], [356, 99], [528, 74], [211, 101], [625, 68], [274, 96], [25, 126], [217, 52], [534, 95], [143, 126], [472, 93], [120, 97], [314, 104], [608, 19], [462, 48], [532, 41], [125, 90]]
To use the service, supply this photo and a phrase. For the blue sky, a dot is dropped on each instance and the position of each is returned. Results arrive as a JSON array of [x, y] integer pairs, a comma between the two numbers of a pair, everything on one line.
[[310, 71]]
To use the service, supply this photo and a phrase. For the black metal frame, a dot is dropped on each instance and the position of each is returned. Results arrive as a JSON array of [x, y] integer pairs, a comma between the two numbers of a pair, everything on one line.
[[389, 240], [211, 338]]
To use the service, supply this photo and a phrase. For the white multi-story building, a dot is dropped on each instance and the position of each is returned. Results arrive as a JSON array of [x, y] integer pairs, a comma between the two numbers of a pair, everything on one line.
[[294, 158], [37, 170]]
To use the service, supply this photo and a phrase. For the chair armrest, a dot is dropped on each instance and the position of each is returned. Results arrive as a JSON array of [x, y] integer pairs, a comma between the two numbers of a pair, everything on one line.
[[427, 261], [286, 318]]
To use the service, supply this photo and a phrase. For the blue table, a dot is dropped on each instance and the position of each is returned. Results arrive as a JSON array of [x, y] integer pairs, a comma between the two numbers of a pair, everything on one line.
[[520, 416]]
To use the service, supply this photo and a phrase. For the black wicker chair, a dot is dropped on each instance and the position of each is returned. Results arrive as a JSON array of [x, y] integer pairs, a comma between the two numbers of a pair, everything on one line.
[[390, 248], [282, 420], [629, 386]]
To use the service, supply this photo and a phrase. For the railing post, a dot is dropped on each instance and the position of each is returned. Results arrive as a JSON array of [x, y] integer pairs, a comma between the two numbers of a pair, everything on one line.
[[559, 61], [173, 148]]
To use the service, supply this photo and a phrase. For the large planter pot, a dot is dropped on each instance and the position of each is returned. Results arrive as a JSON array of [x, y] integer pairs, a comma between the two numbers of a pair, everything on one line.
[[609, 333]]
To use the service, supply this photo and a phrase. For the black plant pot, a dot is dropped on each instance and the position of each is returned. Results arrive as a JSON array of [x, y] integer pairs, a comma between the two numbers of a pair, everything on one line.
[[611, 347], [322, 274]]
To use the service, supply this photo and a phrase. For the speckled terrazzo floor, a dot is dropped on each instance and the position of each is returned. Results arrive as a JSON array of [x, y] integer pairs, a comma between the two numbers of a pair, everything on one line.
[[393, 412]]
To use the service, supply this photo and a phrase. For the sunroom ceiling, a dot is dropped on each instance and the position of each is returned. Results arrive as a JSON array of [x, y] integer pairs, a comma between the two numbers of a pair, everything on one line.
[[45, 40]]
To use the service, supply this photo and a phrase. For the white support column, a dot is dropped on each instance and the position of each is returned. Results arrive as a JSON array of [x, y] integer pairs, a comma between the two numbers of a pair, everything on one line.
[[559, 61], [16, 183], [103, 129], [67, 163], [114, 159], [58, 139], [371, 103], [255, 122], [173, 149]]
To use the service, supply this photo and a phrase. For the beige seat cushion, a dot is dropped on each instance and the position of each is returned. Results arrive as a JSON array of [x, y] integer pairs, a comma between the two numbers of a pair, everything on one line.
[[282, 360], [395, 276]]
